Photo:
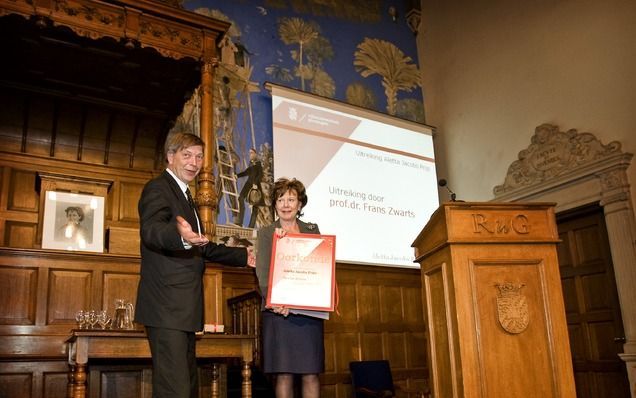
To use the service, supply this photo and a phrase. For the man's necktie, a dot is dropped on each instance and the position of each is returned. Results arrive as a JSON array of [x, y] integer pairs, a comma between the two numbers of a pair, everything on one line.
[[194, 207], [190, 200]]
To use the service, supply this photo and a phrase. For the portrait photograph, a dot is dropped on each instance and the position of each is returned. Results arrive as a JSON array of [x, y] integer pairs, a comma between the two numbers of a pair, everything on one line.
[[73, 222]]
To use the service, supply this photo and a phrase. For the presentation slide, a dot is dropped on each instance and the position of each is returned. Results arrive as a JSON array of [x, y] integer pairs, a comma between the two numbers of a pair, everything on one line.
[[370, 178]]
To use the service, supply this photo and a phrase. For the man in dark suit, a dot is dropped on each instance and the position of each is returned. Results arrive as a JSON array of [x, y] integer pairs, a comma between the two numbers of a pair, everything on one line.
[[173, 251], [254, 173]]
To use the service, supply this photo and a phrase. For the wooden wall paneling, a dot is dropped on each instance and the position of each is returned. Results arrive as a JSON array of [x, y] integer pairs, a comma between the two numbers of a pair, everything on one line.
[[330, 353], [236, 281], [372, 346], [129, 195], [39, 126], [348, 301], [368, 301], [133, 142], [416, 349], [347, 348], [5, 180], [19, 192], [112, 203], [122, 134], [4, 184], [69, 126], [47, 379], [66, 129], [42, 299], [118, 285], [55, 383], [18, 295], [347, 338], [66, 283], [392, 304], [413, 307], [20, 234], [147, 144], [109, 131], [396, 346], [95, 133], [16, 384], [328, 391], [12, 114], [380, 318], [22, 195], [20, 206], [213, 296], [69, 292], [120, 381]]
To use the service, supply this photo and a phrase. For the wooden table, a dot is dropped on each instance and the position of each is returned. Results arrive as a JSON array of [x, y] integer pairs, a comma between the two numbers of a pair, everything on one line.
[[83, 345]]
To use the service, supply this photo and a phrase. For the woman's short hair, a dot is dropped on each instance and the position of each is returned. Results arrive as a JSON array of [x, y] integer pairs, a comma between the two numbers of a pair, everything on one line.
[[178, 141], [77, 210], [282, 185]]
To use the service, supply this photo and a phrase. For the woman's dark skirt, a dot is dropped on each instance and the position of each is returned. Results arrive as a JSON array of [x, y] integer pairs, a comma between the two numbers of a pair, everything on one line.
[[293, 344]]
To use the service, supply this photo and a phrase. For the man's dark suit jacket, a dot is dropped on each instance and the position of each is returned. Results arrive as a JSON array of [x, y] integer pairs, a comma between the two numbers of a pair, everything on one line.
[[170, 293]]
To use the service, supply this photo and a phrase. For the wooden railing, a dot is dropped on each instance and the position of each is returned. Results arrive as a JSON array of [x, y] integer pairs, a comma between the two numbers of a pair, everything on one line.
[[246, 318]]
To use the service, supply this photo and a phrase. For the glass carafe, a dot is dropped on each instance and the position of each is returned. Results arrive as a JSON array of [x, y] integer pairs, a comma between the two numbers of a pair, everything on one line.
[[124, 313]]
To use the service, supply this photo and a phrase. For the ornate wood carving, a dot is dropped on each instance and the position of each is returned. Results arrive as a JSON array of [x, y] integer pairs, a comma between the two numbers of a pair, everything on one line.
[[512, 307], [171, 31], [553, 153]]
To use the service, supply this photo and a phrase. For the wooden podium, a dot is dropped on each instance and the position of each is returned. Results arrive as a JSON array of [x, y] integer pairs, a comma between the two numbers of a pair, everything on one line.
[[493, 303]]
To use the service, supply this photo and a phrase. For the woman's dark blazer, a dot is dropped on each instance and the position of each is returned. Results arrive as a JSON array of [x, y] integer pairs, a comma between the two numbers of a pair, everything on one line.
[[170, 293], [264, 250]]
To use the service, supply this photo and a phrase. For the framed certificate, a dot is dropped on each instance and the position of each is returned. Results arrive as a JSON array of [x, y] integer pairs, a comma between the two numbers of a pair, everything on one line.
[[302, 272]]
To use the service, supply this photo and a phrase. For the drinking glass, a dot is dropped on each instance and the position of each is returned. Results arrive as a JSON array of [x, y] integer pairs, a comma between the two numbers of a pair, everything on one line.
[[80, 317], [103, 319], [92, 319]]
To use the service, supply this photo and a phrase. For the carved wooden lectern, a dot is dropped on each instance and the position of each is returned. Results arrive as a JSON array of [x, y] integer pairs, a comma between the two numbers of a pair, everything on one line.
[[493, 302]]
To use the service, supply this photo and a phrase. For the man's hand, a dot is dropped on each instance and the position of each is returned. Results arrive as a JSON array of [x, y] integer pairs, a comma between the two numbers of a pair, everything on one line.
[[185, 230]]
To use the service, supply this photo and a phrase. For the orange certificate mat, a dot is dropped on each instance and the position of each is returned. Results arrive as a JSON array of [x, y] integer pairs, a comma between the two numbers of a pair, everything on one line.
[[302, 273]]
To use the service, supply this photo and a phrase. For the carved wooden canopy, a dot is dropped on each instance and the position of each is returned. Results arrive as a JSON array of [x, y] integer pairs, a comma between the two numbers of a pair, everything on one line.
[[141, 55], [171, 31]]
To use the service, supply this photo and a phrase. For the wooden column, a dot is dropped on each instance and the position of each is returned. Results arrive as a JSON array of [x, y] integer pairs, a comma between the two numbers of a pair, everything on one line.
[[206, 193]]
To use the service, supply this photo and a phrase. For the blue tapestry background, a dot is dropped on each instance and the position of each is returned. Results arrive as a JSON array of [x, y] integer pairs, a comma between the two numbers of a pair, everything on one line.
[[352, 51]]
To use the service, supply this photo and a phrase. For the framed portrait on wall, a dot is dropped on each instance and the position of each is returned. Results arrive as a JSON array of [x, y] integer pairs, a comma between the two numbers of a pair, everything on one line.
[[73, 222]]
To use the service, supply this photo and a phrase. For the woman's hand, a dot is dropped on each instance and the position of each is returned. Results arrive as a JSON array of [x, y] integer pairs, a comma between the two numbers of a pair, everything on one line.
[[284, 311], [251, 258]]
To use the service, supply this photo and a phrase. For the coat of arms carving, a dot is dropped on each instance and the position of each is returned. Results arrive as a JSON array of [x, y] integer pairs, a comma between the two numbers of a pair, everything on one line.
[[512, 308]]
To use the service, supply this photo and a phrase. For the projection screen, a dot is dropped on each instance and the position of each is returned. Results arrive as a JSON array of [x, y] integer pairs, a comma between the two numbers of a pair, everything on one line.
[[370, 177]]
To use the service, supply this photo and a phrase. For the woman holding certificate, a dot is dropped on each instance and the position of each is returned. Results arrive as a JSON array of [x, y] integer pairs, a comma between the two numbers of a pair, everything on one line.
[[292, 344]]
